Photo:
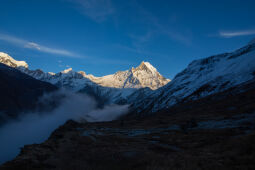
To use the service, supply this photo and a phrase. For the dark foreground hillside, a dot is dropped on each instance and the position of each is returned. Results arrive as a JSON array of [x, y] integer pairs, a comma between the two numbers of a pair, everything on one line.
[[216, 132], [19, 92]]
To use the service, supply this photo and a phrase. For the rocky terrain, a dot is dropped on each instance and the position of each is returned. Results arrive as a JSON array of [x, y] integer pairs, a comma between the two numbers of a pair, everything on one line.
[[215, 132]]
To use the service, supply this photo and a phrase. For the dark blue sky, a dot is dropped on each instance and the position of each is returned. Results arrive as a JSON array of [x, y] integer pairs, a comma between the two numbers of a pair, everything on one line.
[[103, 36]]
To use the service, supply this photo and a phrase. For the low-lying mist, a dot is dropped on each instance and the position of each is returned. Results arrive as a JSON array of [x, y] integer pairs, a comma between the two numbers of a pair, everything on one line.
[[36, 127]]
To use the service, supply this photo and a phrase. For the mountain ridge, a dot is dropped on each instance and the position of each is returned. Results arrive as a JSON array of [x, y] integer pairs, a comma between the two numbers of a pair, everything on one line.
[[201, 78], [145, 75], [113, 88], [8, 60]]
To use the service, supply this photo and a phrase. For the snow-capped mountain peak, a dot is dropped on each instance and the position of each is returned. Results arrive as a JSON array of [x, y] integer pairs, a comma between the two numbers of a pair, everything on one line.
[[8, 60], [145, 75], [146, 66], [67, 71], [203, 77]]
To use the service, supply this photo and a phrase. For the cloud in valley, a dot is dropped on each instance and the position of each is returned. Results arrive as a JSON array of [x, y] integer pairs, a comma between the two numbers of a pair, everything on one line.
[[36, 127]]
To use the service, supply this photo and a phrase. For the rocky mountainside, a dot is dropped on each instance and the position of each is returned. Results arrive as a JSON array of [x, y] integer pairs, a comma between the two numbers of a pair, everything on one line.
[[215, 132], [19, 92], [202, 78]]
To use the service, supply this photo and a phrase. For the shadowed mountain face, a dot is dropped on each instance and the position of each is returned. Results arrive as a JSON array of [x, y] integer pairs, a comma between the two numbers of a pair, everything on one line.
[[202, 78], [19, 92]]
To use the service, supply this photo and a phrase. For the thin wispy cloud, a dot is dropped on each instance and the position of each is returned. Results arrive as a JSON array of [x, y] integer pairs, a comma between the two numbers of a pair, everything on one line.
[[139, 41], [153, 29], [158, 27], [168, 31], [230, 34], [142, 38], [35, 46], [97, 10]]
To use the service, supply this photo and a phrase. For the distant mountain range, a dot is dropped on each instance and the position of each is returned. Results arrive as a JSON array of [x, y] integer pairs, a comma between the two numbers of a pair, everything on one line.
[[145, 89], [113, 88]]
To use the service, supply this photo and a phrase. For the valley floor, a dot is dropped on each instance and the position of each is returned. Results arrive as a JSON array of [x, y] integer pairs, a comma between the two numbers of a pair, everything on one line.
[[205, 134]]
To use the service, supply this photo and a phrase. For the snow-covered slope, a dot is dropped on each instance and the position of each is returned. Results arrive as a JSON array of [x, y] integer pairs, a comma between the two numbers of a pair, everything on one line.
[[78, 82], [111, 88], [9, 61], [203, 77], [145, 75], [68, 78]]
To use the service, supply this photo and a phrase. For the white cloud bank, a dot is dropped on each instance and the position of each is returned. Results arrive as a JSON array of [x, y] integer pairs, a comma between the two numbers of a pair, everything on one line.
[[36, 127]]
